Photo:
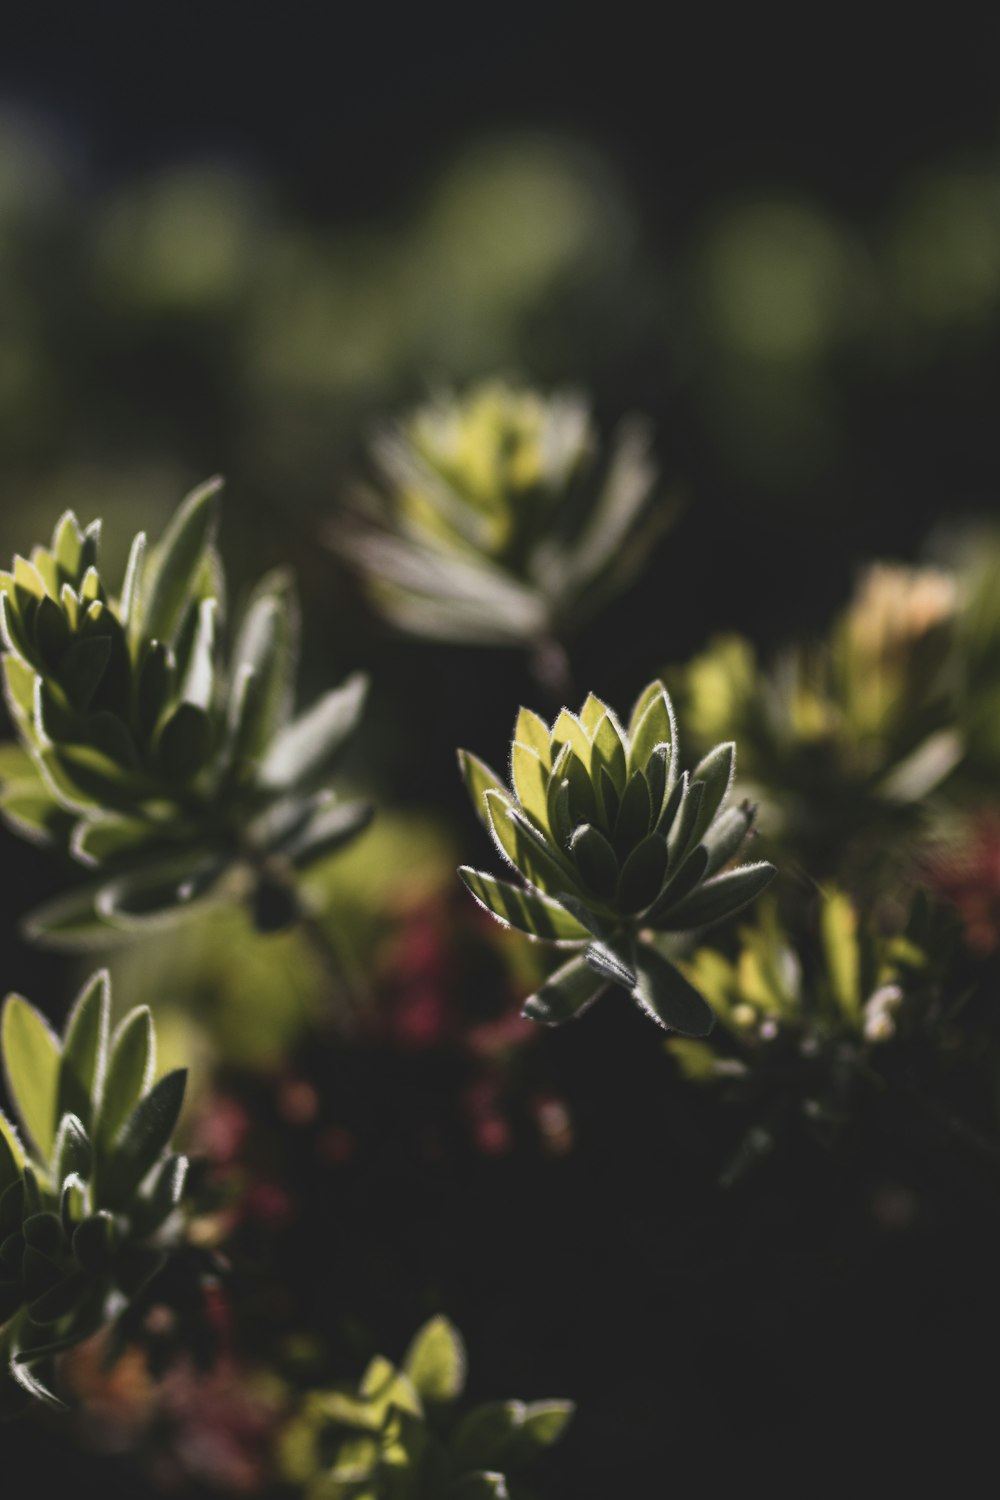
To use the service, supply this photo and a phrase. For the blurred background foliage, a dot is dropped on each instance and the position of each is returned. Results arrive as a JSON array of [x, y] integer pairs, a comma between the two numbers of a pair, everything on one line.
[[242, 249]]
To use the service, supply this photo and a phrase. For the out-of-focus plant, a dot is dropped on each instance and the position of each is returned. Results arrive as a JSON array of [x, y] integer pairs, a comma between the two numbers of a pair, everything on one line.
[[88, 1200], [839, 737], [497, 518], [803, 1023], [174, 773], [615, 844], [395, 1436]]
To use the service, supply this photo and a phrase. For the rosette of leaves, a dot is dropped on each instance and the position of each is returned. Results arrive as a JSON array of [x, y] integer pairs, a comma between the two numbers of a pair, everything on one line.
[[498, 518], [173, 769], [89, 1187], [614, 845], [805, 1021], [843, 739], [396, 1436]]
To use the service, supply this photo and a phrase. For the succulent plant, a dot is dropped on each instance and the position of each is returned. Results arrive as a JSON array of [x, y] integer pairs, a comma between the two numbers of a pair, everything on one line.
[[843, 739], [615, 844], [88, 1196], [496, 519], [385, 1435], [172, 772]]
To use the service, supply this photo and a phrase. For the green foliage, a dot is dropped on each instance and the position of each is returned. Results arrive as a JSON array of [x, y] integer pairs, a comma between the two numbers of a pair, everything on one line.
[[614, 844], [806, 1018], [396, 1437], [176, 774], [847, 738], [497, 519], [88, 1198]]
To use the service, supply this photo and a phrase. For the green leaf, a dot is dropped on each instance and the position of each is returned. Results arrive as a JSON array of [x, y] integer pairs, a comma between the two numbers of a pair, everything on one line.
[[435, 1361], [726, 835], [162, 892], [70, 922], [683, 834], [643, 874], [165, 1194], [651, 724], [100, 840], [174, 564], [131, 1065], [31, 1070], [531, 912], [522, 846], [479, 779], [596, 860], [485, 1435], [11, 1155], [684, 880], [530, 781], [719, 898], [145, 1134], [51, 632], [558, 814], [67, 546], [543, 1425], [155, 684], [84, 1050], [839, 928], [565, 995], [59, 1300], [635, 815], [83, 667], [93, 1242], [184, 743], [307, 745], [567, 730], [606, 962], [716, 774], [608, 752], [19, 688], [330, 828], [263, 665], [130, 597], [199, 674], [533, 732], [72, 1155], [662, 991]]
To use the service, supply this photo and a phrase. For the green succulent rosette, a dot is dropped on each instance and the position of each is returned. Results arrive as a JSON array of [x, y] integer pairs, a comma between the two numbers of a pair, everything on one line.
[[89, 1187], [175, 770], [615, 845], [395, 1436], [498, 517]]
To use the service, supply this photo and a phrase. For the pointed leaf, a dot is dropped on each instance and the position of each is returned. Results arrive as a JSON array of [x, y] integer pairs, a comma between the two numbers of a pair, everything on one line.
[[716, 774], [31, 1070], [727, 834], [607, 963], [175, 561], [479, 779], [530, 912], [72, 1155], [643, 874], [667, 996], [719, 898], [84, 1050], [522, 846], [330, 828], [306, 746], [533, 732], [635, 815], [530, 781], [435, 1361], [145, 1134], [608, 751], [565, 995], [596, 861], [11, 1154], [131, 1064]]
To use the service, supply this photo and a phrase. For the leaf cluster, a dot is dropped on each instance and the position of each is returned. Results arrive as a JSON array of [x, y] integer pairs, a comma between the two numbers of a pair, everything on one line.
[[496, 518], [614, 844], [174, 770], [396, 1436], [88, 1188]]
